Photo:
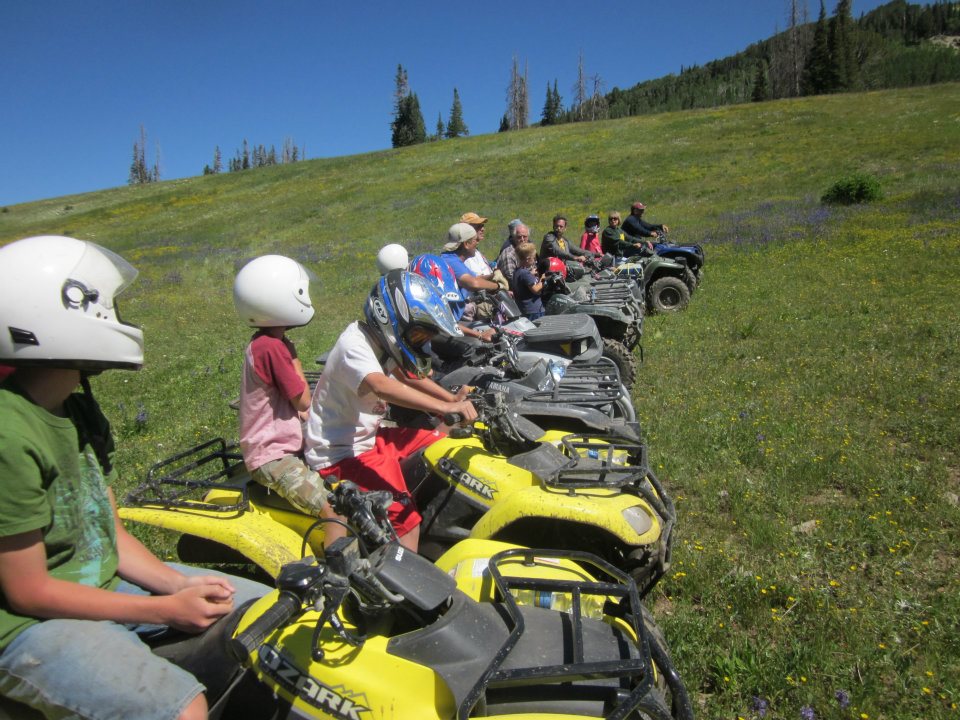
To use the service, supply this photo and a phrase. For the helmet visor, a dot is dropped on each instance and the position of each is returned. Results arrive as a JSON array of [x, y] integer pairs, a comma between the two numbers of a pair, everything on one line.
[[417, 336], [98, 277]]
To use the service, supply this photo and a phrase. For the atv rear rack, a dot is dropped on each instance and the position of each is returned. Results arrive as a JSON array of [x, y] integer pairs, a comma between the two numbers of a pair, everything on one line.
[[182, 480], [635, 673]]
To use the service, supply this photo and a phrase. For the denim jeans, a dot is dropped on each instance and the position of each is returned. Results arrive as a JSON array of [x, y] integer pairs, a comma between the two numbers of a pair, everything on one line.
[[101, 670]]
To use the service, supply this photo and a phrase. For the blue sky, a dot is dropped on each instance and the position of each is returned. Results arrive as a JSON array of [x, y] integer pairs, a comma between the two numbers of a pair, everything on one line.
[[81, 76]]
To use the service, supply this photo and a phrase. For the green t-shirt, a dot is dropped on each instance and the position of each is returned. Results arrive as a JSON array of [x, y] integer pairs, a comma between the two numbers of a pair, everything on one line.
[[51, 480]]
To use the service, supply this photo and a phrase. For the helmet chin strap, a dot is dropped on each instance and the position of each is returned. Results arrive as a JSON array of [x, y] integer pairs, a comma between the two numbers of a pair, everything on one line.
[[382, 354], [97, 441]]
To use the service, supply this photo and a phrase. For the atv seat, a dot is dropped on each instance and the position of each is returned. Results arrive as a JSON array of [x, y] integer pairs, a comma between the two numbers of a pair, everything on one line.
[[561, 328], [264, 497]]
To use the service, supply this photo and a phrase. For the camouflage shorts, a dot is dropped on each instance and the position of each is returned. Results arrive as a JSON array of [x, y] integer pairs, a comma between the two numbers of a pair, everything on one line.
[[292, 480]]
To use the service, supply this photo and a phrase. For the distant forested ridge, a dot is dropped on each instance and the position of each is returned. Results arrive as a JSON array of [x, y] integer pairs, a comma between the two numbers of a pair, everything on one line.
[[896, 45]]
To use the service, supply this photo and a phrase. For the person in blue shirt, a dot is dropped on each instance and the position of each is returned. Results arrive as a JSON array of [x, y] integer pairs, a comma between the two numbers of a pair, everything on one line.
[[527, 285], [462, 241]]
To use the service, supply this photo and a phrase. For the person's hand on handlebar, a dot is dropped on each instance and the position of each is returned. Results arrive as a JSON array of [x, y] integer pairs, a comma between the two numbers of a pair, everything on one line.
[[464, 391], [464, 408], [488, 335]]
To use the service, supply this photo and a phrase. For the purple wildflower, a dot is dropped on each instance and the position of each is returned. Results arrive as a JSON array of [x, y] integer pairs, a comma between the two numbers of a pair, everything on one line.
[[760, 706], [807, 713], [843, 698]]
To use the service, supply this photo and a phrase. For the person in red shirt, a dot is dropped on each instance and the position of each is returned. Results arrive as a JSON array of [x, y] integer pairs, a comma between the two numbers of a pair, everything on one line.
[[590, 240]]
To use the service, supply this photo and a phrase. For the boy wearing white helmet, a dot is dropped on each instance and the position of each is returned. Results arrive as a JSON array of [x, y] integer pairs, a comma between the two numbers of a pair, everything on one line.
[[272, 293], [75, 586]]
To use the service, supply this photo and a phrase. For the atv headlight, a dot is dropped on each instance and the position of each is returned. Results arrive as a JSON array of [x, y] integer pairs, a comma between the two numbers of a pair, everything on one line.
[[639, 521]]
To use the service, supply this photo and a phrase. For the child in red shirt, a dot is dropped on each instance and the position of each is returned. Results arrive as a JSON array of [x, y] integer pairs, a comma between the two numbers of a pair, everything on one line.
[[590, 240]]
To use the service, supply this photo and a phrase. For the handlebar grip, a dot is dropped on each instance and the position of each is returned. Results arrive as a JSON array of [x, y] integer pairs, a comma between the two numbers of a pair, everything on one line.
[[452, 418], [247, 641]]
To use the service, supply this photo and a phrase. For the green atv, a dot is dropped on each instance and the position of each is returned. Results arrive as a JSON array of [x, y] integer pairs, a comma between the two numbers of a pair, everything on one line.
[[667, 283]]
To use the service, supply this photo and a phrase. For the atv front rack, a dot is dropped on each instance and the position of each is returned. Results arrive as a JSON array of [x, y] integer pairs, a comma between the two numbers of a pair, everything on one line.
[[635, 672], [182, 480], [592, 384]]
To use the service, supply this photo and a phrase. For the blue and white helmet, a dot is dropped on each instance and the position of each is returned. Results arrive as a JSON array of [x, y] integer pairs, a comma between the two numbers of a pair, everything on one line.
[[400, 302], [439, 273]]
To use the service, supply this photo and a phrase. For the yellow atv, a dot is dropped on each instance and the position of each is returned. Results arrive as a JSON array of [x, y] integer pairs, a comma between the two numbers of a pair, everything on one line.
[[504, 480], [491, 630]]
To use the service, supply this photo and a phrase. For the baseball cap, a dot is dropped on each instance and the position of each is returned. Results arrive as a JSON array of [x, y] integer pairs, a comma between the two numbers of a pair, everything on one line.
[[458, 234], [472, 218], [638, 206]]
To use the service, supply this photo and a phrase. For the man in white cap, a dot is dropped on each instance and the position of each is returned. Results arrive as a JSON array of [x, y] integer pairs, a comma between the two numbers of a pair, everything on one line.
[[462, 241]]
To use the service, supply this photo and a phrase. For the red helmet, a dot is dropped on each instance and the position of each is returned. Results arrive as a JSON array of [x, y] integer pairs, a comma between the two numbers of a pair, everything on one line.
[[556, 265], [638, 206]]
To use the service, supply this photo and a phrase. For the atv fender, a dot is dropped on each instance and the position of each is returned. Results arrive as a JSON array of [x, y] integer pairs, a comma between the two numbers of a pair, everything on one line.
[[605, 509], [254, 534]]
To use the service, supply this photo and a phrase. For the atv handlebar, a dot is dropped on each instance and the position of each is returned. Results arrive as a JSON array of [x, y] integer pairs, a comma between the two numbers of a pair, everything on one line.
[[367, 511], [277, 615], [453, 418]]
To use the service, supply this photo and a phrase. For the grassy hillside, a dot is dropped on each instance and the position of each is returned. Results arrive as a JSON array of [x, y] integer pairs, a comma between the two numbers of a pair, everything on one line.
[[803, 410]]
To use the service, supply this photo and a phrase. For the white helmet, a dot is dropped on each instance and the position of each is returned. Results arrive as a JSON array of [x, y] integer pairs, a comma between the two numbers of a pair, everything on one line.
[[273, 291], [392, 257], [58, 306]]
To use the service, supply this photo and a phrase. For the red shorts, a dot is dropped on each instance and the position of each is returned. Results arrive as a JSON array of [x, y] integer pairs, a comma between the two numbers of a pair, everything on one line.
[[379, 469]]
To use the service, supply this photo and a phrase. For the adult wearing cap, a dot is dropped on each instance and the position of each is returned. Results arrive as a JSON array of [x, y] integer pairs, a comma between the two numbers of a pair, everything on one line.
[[637, 227], [477, 262], [462, 241]]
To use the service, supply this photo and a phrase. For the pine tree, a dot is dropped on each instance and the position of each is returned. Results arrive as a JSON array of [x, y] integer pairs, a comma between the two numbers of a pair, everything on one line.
[[843, 56], [552, 106], [245, 158], [139, 173], [407, 127], [817, 72], [760, 92], [548, 114], [134, 178], [455, 125], [504, 124], [401, 90], [440, 128], [155, 172], [217, 161]]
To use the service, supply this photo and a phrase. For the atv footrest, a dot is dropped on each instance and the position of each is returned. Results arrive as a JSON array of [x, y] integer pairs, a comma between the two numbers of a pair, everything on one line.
[[183, 480]]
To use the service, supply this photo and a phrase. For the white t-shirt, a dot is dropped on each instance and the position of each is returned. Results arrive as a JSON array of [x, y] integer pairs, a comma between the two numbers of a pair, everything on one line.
[[342, 423], [478, 265]]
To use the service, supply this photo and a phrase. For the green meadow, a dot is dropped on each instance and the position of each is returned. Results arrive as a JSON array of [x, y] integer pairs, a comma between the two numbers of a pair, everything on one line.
[[803, 411]]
